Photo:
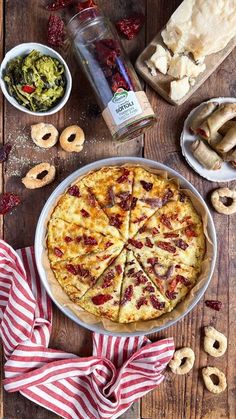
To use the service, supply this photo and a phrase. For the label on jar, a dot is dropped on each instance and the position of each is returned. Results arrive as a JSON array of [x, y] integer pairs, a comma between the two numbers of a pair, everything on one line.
[[124, 105], [137, 108]]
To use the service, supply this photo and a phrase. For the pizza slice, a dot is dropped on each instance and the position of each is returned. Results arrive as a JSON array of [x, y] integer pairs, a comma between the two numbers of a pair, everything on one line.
[[140, 298], [66, 241], [77, 275], [150, 192], [79, 206], [174, 280], [112, 188], [186, 245], [175, 215], [103, 299]]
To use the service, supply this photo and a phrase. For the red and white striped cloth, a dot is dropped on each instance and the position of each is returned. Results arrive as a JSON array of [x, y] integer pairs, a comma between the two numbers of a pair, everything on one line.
[[104, 385]]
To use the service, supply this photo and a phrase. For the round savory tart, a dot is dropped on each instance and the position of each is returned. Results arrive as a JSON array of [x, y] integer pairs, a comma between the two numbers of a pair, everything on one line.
[[125, 244]]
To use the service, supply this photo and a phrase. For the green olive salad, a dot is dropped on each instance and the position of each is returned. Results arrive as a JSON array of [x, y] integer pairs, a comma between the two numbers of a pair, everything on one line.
[[36, 81]]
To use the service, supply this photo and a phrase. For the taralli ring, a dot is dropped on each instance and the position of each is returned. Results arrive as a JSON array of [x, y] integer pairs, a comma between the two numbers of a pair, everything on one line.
[[218, 204], [44, 135], [184, 354], [39, 176], [214, 388], [213, 338], [72, 139]]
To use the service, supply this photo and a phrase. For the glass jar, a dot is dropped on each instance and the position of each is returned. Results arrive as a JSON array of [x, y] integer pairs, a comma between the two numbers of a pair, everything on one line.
[[125, 106]]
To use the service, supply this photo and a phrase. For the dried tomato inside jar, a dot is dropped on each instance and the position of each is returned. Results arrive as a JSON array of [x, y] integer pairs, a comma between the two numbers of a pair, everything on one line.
[[125, 107]]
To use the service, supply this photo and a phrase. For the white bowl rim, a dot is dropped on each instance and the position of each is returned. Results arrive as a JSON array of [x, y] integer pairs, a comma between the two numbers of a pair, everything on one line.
[[13, 101], [40, 235]]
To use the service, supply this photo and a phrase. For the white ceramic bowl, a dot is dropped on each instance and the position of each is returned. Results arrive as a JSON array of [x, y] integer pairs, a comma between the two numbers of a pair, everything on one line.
[[42, 224], [24, 49]]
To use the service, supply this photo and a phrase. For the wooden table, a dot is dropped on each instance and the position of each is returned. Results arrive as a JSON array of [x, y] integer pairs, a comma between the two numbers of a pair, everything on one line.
[[178, 397]]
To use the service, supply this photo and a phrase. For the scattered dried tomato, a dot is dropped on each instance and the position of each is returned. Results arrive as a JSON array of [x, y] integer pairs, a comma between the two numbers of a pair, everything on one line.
[[74, 191], [108, 244], [84, 213], [183, 280], [214, 304], [139, 278], [166, 246], [28, 89], [155, 231], [108, 277], [149, 288], [128, 294], [124, 177], [155, 303], [68, 239], [115, 221], [100, 299], [58, 252], [141, 302], [181, 244], [146, 185], [129, 27], [148, 243], [125, 203], [58, 4], [4, 152], [89, 240], [92, 200], [8, 201], [182, 197], [166, 221], [171, 295], [170, 235], [134, 202], [119, 269], [153, 202], [152, 261], [135, 243], [169, 194], [140, 219], [189, 231], [56, 31]]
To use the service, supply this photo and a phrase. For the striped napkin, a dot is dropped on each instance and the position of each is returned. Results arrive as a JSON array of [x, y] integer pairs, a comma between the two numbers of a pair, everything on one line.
[[104, 385]]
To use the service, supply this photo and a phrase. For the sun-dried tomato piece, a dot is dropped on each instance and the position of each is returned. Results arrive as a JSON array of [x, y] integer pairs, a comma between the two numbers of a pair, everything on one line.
[[214, 304], [142, 229], [182, 197], [74, 191], [84, 213], [149, 288], [125, 203], [100, 299], [148, 242], [92, 200], [118, 82], [129, 27], [131, 272], [58, 252], [183, 280], [107, 51], [85, 5], [156, 303], [56, 31], [111, 197], [68, 239], [4, 152], [72, 269], [152, 261], [140, 219], [171, 295], [167, 196], [139, 278], [134, 202], [108, 277], [190, 232], [166, 246], [155, 231], [152, 202], [171, 235], [146, 185], [128, 294], [115, 221], [166, 221], [141, 302], [78, 239], [8, 201], [89, 240], [135, 243], [181, 244], [124, 177], [58, 4], [119, 269]]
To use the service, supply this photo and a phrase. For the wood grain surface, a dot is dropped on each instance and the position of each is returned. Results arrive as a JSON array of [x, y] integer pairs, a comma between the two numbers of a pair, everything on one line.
[[179, 397]]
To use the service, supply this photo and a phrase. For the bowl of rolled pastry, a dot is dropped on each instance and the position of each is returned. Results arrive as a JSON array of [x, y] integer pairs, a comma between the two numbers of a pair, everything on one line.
[[208, 139]]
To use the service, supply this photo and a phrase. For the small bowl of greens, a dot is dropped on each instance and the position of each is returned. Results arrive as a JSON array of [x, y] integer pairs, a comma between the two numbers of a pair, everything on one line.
[[35, 79]]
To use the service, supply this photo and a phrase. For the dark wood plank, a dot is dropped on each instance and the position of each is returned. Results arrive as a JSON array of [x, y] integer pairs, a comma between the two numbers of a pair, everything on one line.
[[65, 334], [185, 397]]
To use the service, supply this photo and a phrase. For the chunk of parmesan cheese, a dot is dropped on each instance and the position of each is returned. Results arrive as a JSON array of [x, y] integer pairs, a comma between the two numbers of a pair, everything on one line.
[[181, 66], [160, 59], [179, 88]]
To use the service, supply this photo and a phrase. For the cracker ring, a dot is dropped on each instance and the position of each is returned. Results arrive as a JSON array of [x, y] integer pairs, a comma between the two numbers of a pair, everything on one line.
[[32, 180], [179, 355], [72, 139], [211, 337], [214, 388], [219, 206], [44, 135]]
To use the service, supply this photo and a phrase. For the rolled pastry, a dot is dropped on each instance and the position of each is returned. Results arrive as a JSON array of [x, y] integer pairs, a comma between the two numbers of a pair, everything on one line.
[[230, 156], [214, 139], [207, 157], [200, 116], [218, 118], [225, 128], [228, 142]]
